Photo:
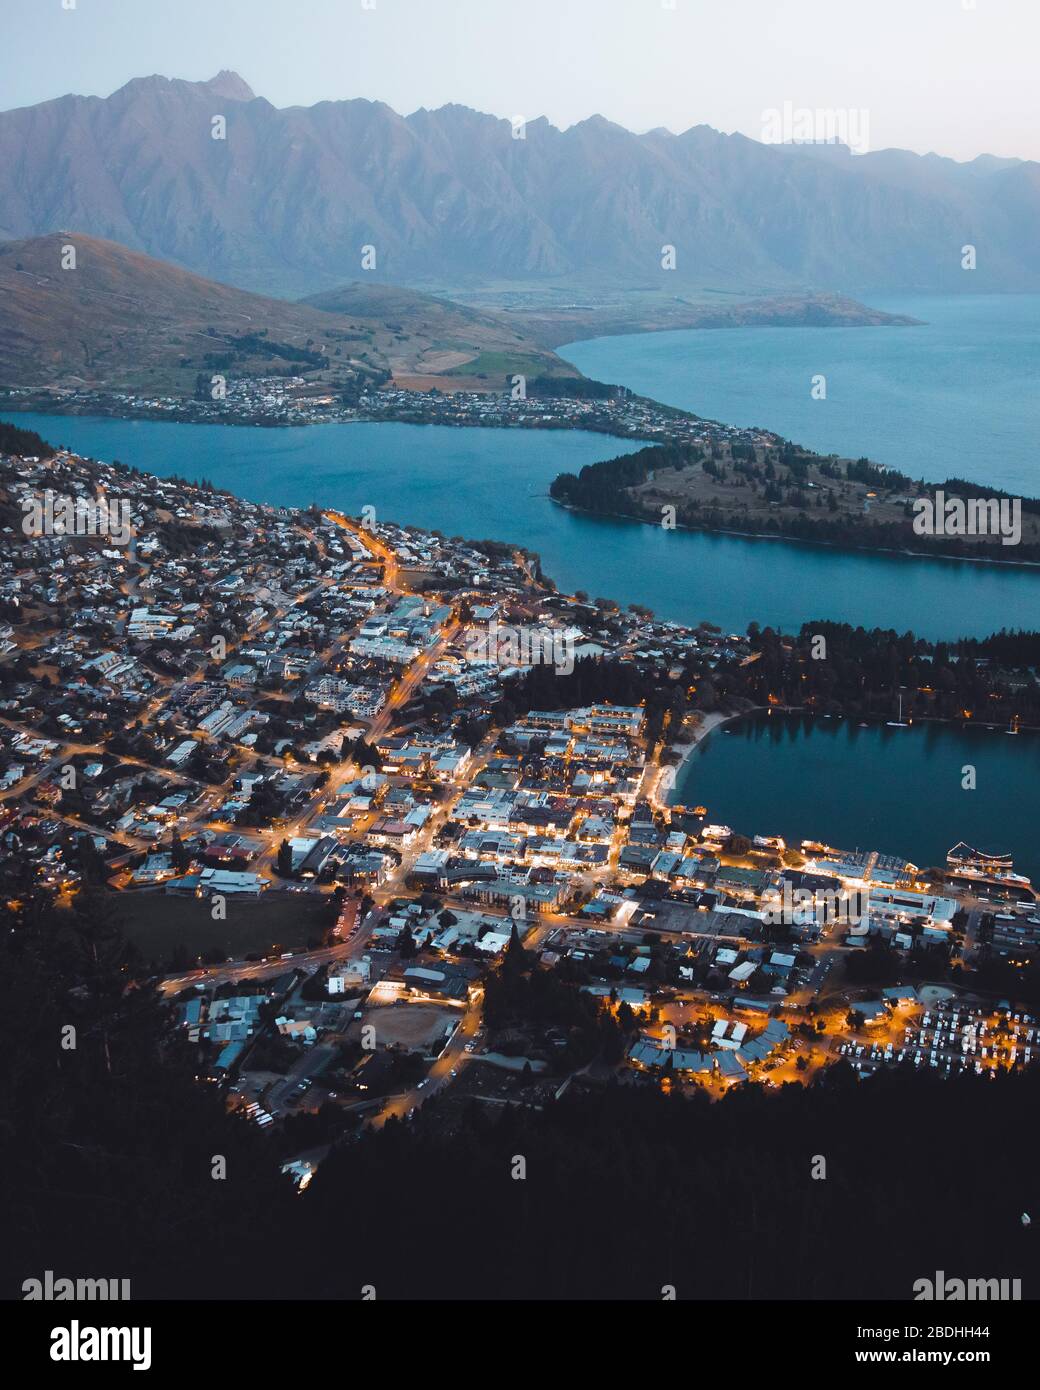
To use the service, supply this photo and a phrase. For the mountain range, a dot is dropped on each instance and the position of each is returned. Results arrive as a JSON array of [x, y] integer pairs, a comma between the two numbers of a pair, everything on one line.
[[286, 201]]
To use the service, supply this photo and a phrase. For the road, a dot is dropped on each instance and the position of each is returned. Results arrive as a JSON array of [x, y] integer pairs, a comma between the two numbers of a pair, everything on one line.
[[453, 1056], [231, 971]]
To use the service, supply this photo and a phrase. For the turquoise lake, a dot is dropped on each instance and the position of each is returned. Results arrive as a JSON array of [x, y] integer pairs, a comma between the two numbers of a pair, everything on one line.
[[487, 483], [957, 396]]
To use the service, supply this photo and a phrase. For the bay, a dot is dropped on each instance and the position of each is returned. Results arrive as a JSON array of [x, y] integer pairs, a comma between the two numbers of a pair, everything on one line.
[[493, 484], [898, 791], [956, 396]]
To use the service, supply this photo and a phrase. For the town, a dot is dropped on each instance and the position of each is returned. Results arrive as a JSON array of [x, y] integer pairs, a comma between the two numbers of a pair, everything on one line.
[[543, 403], [387, 819]]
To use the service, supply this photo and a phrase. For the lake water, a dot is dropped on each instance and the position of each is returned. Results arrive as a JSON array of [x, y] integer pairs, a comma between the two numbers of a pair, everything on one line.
[[956, 397], [894, 790], [492, 484]]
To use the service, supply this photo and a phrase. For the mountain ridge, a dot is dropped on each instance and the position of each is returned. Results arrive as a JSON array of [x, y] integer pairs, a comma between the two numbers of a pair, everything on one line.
[[286, 202]]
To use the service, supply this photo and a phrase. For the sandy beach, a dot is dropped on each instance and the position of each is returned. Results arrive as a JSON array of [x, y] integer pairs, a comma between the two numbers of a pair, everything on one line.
[[708, 723]]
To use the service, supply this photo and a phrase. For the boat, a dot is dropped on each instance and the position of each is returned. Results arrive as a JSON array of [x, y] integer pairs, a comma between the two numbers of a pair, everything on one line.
[[899, 723], [963, 856]]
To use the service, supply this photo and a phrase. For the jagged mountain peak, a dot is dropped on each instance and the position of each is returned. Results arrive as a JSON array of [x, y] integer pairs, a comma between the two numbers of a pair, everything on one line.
[[226, 84], [449, 197], [229, 84]]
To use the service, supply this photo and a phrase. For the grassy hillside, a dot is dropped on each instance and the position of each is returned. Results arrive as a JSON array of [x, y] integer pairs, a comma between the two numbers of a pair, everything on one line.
[[425, 338], [119, 320]]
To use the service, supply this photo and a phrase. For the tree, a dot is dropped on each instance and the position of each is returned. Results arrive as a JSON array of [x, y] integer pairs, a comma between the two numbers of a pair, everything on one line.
[[514, 957], [91, 863], [105, 1142], [283, 864], [406, 947], [101, 951]]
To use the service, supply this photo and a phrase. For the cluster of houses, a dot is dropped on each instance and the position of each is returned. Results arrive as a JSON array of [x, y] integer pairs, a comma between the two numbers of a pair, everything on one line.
[[210, 704], [295, 400]]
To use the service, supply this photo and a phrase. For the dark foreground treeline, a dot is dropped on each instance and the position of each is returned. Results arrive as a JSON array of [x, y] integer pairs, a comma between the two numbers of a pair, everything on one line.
[[107, 1152], [628, 1191]]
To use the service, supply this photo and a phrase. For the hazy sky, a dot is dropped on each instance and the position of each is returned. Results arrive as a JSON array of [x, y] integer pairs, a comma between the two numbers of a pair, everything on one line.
[[956, 76]]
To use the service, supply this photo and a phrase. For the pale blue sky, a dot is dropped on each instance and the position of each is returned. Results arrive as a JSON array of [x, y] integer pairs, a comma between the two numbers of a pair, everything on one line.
[[932, 74]]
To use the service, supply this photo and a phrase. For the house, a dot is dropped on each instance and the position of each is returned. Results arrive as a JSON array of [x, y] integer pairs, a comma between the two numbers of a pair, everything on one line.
[[730, 1070], [646, 1053], [779, 965], [874, 1011], [318, 856], [431, 866], [348, 973], [297, 1030], [227, 882], [537, 897], [240, 675], [772, 1037], [740, 974], [900, 994]]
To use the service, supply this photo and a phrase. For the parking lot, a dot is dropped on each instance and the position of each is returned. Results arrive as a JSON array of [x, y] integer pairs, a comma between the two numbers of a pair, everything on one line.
[[952, 1039]]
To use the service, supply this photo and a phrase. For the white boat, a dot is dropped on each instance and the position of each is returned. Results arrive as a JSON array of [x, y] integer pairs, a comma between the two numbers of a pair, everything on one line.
[[898, 723]]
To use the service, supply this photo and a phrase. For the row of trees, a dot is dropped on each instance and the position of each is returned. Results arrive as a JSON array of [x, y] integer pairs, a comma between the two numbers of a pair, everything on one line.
[[836, 668]]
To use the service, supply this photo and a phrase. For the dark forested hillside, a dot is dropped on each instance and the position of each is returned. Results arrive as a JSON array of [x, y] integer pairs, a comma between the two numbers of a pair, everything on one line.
[[108, 1150]]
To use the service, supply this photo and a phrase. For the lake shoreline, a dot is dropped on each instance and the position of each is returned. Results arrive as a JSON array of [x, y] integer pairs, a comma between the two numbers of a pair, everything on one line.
[[791, 780], [164, 417], [801, 540], [260, 422], [718, 719], [491, 483], [709, 723]]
